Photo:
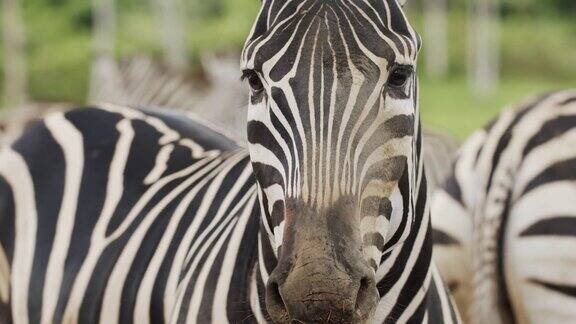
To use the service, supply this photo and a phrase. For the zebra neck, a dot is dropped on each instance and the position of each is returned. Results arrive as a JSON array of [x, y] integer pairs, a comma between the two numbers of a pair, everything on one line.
[[258, 295], [265, 262]]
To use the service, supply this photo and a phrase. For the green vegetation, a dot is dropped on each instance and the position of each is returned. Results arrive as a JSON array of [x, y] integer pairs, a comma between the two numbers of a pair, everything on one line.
[[448, 105], [538, 51]]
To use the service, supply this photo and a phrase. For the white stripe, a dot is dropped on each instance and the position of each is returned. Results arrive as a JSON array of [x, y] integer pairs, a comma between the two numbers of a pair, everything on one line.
[[184, 251], [219, 315], [144, 296], [445, 301], [168, 134], [15, 170], [255, 299], [4, 277], [197, 150], [207, 267], [114, 189], [71, 142], [419, 297], [389, 299], [262, 267], [224, 205], [160, 166], [113, 293]]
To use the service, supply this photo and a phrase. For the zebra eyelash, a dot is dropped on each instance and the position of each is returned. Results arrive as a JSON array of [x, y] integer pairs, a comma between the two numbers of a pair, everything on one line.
[[398, 81], [254, 81], [246, 74]]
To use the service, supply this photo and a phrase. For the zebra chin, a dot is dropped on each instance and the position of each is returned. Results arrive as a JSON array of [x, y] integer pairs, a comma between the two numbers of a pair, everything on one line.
[[321, 275]]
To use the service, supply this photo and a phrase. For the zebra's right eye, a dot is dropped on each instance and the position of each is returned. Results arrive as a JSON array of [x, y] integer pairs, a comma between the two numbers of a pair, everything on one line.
[[399, 76], [253, 80]]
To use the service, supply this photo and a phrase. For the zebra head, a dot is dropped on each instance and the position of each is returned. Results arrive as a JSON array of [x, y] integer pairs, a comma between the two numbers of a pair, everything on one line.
[[333, 138]]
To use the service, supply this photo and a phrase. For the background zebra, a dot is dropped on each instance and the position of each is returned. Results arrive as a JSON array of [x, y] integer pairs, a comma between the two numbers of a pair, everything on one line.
[[138, 216], [150, 217], [505, 220]]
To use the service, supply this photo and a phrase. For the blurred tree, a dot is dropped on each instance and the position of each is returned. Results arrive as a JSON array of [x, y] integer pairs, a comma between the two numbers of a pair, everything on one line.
[[538, 7], [83, 17], [172, 19], [15, 69], [483, 46], [436, 36], [208, 9], [104, 74]]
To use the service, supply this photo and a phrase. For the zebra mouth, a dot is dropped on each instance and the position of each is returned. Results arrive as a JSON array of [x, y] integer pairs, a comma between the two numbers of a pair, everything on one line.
[[322, 299], [321, 275]]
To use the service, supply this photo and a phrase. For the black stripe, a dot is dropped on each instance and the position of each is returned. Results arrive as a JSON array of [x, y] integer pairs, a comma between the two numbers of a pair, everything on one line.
[[40, 150], [559, 288], [5, 313], [550, 130], [443, 238], [99, 139], [7, 219], [435, 314], [140, 161], [390, 169], [189, 289], [506, 304], [206, 305], [418, 316], [559, 171], [398, 126], [404, 185], [157, 308], [374, 239], [453, 189], [554, 226], [258, 133], [206, 137], [267, 175], [506, 137], [568, 101], [288, 59], [142, 260], [421, 267], [237, 304]]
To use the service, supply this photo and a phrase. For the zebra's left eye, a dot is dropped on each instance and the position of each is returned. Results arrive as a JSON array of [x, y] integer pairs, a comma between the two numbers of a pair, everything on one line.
[[253, 80], [399, 76]]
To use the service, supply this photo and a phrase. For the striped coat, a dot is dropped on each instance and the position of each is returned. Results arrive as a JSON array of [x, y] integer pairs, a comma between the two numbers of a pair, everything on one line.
[[121, 215], [505, 221], [116, 215]]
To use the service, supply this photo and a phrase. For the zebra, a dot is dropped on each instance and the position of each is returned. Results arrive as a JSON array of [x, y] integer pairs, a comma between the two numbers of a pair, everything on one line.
[[505, 220], [113, 214]]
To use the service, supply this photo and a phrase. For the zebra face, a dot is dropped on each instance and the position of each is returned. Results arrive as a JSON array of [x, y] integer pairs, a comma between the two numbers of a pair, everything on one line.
[[331, 131]]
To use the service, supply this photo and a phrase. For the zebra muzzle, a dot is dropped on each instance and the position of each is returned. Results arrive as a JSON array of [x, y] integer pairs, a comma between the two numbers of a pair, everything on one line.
[[319, 292], [321, 276]]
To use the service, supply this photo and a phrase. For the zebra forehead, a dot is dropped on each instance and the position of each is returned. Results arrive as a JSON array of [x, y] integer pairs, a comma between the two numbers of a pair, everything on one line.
[[351, 28]]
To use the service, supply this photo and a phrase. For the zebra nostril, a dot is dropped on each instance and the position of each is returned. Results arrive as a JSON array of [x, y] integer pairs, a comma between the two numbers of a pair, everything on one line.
[[367, 296], [274, 302]]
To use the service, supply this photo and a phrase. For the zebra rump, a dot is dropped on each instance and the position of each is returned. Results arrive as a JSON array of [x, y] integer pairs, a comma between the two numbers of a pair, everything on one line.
[[505, 220]]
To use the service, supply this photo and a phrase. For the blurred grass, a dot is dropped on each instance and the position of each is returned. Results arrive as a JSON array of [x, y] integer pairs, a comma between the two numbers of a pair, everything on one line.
[[537, 54], [448, 105]]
